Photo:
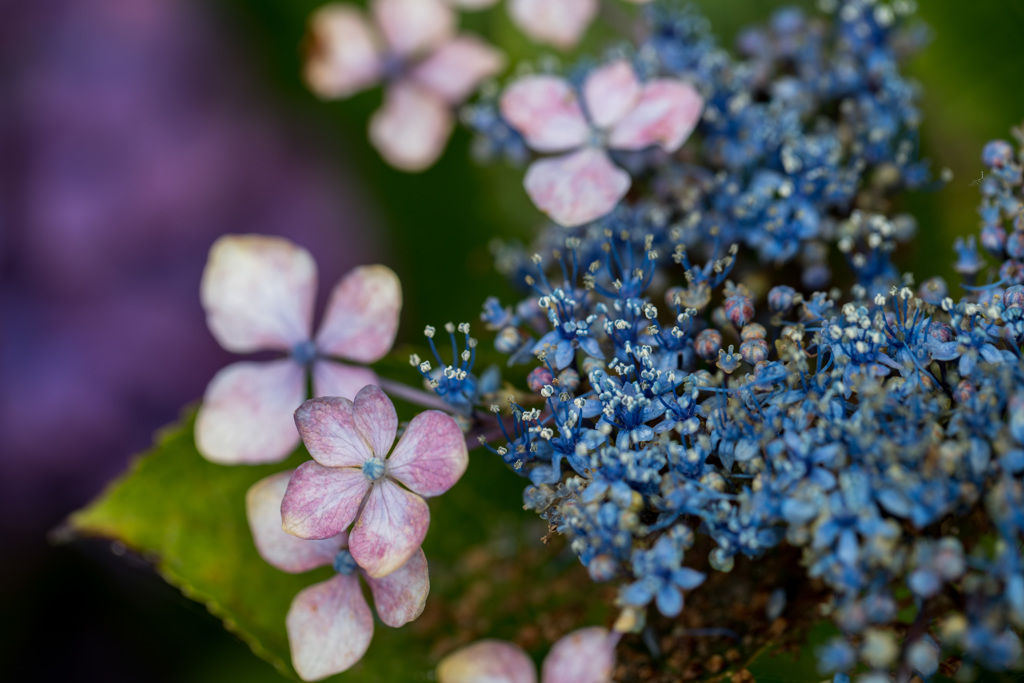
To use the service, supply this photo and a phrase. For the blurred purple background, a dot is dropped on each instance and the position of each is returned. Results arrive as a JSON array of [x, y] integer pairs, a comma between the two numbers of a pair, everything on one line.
[[130, 138]]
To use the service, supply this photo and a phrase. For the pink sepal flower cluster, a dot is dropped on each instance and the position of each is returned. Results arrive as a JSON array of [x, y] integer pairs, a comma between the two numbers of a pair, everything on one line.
[[412, 46], [259, 293], [618, 113], [583, 656], [329, 624], [352, 480]]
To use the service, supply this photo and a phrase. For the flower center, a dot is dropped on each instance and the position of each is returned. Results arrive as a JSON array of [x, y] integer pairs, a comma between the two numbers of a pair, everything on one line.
[[597, 137], [373, 469], [304, 353], [344, 563]]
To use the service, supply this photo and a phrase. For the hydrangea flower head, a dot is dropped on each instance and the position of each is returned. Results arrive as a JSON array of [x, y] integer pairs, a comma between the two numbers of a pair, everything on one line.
[[411, 45], [616, 112], [352, 479], [259, 293], [329, 624], [583, 656]]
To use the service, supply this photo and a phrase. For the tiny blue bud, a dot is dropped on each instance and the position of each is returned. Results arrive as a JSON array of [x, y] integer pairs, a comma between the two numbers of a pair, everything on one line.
[[344, 563], [373, 469]]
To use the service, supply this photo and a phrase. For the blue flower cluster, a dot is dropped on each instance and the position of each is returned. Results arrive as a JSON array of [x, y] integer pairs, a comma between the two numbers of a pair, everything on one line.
[[687, 389]]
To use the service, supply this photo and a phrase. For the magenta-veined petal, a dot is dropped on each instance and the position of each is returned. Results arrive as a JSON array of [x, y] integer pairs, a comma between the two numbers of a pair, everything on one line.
[[258, 293], [280, 549], [330, 627], [376, 419], [391, 527], [328, 429], [583, 656], [666, 114], [487, 661], [431, 456], [246, 415], [345, 53], [454, 69], [412, 127], [557, 22], [576, 188], [414, 27], [320, 502], [362, 315], [611, 91], [545, 111], [401, 596], [338, 379]]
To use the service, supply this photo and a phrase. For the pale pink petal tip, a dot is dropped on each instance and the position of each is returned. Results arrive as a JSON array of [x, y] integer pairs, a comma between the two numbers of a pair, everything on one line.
[[666, 114], [412, 127], [344, 53], [376, 419], [258, 293], [545, 111], [576, 188], [280, 549], [362, 315], [611, 91], [487, 661], [557, 22], [329, 627], [322, 502], [431, 456], [583, 656], [414, 27], [401, 596], [245, 418], [389, 530], [457, 67], [328, 429]]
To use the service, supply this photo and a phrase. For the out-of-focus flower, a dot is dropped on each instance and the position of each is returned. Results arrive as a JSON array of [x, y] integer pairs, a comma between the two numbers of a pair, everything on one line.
[[329, 624], [413, 48], [557, 22], [352, 479], [259, 293], [621, 114], [583, 656]]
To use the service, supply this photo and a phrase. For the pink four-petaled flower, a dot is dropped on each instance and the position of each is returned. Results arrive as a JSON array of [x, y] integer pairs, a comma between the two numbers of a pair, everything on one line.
[[259, 294], [413, 47], [583, 656], [352, 479], [621, 113], [329, 623]]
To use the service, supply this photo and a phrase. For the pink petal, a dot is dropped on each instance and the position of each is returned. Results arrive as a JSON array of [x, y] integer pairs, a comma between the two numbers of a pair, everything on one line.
[[376, 419], [362, 315], [390, 529], [280, 549], [667, 113], [412, 128], [583, 656], [431, 455], [329, 627], [545, 111], [246, 415], [258, 293], [328, 428], [338, 379], [557, 22], [413, 27], [610, 92], [320, 502], [344, 55], [576, 188], [455, 69], [401, 595], [487, 661]]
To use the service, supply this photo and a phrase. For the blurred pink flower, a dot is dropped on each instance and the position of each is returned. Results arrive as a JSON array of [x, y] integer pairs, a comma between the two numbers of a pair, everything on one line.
[[351, 479], [621, 114], [557, 22], [413, 48], [329, 623], [259, 293], [583, 656]]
